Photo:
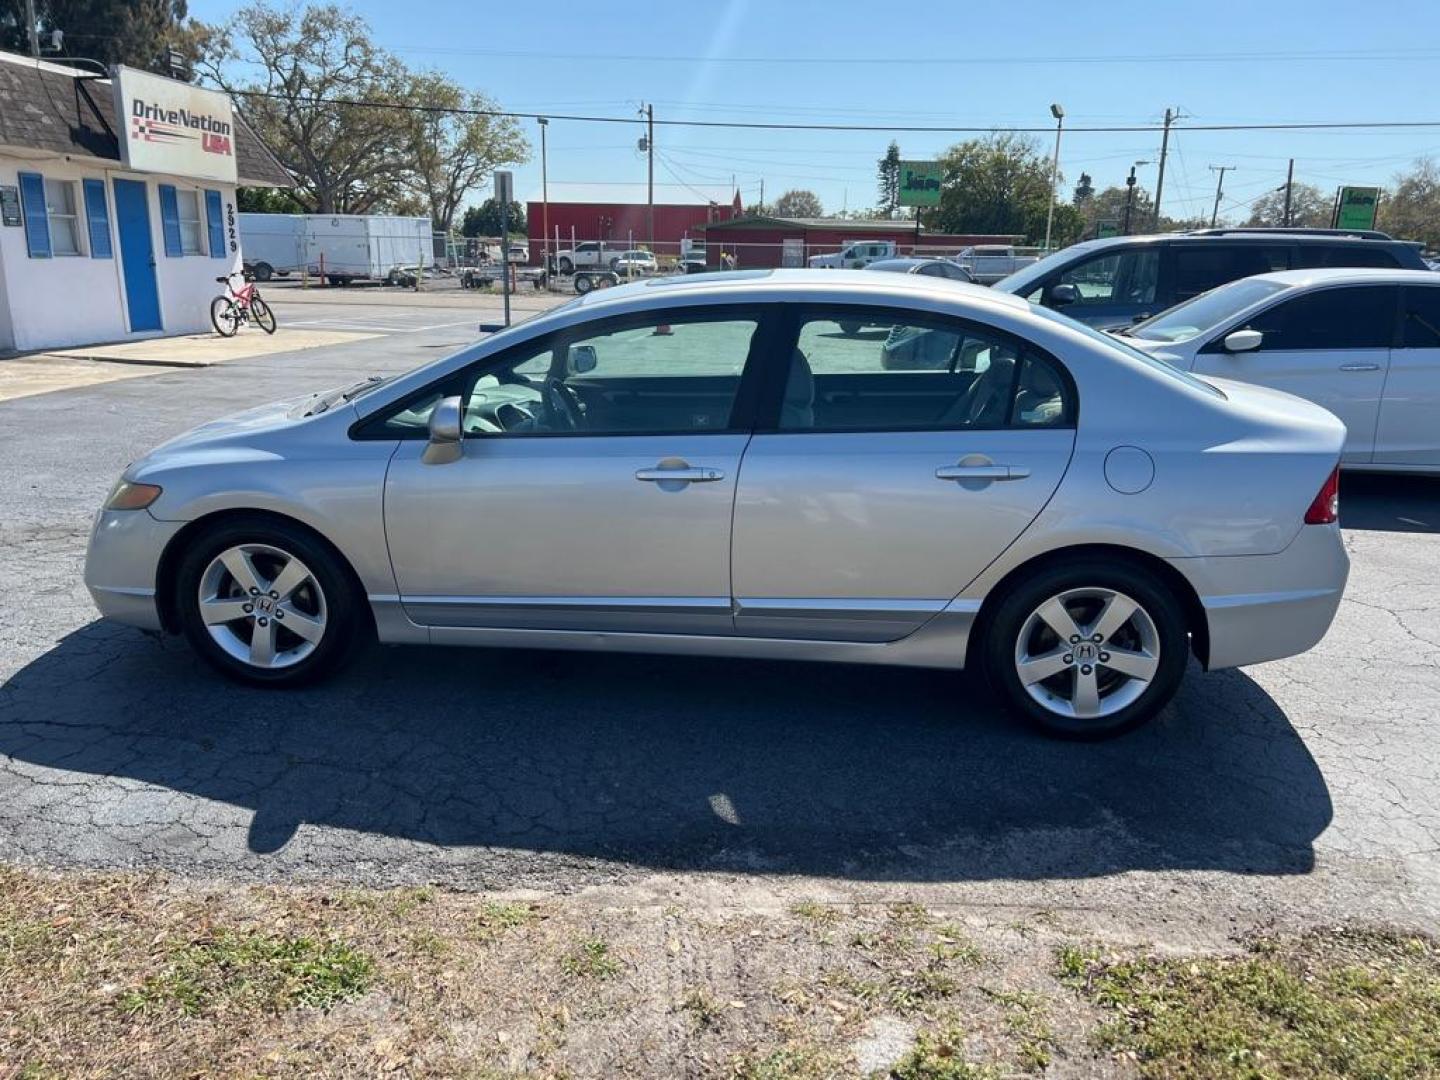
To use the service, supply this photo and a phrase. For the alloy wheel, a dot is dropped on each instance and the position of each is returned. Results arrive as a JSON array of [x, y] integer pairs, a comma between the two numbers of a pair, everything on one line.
[[1087, 653], [262, 606]]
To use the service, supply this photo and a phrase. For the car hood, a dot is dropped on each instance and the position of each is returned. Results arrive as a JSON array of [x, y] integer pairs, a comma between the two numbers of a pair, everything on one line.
[[242, 433]]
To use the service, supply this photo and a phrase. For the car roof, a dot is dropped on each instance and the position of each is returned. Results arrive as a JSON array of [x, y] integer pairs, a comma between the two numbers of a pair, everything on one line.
[[1342, 275], [1233, 237], [738, 285]]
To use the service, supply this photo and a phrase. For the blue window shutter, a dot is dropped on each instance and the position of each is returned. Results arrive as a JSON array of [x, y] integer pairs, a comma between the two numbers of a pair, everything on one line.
[[170, 221], [37, 221], [97, 215], [217, 224]]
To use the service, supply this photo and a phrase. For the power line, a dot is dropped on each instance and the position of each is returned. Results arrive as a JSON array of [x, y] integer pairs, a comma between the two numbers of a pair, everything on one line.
[[1327, 125]]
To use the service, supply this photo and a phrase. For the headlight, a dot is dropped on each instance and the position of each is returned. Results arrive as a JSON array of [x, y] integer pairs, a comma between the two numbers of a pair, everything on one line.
[[131, 496]]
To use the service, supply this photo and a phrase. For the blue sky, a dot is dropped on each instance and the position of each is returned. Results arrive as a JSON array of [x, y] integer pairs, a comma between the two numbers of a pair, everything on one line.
[[939, 63]]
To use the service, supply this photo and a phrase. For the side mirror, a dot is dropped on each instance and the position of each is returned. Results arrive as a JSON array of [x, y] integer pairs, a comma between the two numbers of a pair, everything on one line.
[[445, 433], [1238, 341], [1061, 295], [581, 359]]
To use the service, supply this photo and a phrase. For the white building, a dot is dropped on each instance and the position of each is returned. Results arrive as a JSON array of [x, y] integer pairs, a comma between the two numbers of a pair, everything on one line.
[[117, 203]]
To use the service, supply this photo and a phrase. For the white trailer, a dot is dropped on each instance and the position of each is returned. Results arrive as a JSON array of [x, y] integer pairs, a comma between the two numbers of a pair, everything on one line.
[[352, 247], [272, 244]]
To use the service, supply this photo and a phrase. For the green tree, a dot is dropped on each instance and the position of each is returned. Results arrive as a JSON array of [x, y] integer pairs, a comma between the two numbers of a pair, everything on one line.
[[797, 202], [344, 158], [484, 220], [138, 33], [1084, 192], [1309, 208], [262, 200], [998, 184], [1411, 210], [454, 147], [888, 180]]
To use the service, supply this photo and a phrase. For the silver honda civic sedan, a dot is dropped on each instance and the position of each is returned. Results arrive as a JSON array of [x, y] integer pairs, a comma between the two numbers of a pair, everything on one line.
[[714, 466]]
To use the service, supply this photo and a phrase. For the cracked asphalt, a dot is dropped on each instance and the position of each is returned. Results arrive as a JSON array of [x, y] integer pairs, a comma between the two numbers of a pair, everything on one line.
[[1304, 788]]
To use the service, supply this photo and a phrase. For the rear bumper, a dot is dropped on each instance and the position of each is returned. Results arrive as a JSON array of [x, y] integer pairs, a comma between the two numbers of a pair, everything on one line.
[[1264, 607], [125, 549]]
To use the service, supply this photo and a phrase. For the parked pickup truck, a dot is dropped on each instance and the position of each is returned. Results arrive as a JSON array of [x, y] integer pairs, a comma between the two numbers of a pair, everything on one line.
[[591, 255], [855, 255], [988, 264]]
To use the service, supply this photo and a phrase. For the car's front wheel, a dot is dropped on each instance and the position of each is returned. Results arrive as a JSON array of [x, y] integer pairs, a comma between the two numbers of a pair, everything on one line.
[[1087, 650], [266, 603]]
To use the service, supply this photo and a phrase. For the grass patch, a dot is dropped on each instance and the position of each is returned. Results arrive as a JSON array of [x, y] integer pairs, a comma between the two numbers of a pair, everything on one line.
[[1324, 1004], [702, 1008], [940, 1055], [1027, 1019], [254, 973], [590, 959], [813, 911], [793, 1061], [496, 918]]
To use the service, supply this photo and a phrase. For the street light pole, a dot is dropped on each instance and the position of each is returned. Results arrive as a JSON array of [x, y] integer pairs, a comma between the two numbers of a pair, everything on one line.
[[544, 201], [1130, 195], [1059, 114]]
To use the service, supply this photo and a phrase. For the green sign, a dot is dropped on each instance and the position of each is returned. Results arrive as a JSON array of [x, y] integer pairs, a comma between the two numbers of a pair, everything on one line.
[[1355, 207], [920, 183], [1105, 229]]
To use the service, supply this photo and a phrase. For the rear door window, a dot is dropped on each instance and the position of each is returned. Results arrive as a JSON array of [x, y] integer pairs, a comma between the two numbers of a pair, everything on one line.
[[1349, 317], [1313, 256], [1421, 328], [1201, 267]]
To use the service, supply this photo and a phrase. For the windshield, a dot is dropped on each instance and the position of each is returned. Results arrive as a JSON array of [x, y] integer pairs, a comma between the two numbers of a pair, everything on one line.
[[1153, 362], [1206, 311]]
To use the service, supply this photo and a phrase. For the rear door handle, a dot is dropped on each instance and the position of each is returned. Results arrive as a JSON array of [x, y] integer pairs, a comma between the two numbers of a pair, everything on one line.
[[1359, 367], [982, 472], [689, 475]]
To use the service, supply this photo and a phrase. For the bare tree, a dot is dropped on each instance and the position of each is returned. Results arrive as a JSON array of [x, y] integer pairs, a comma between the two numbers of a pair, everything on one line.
[[1411, 209], [1309, 207], [798, 203], [345, 158], [453, 152]]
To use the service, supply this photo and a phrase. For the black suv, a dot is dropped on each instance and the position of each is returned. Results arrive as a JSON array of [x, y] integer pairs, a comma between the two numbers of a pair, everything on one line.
[[1122, 279]]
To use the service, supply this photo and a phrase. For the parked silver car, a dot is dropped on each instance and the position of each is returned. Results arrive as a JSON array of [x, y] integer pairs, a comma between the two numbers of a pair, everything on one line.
[[710, 465]]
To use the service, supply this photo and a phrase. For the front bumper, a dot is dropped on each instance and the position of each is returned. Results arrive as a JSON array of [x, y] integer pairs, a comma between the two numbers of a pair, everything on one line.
[[125, 549], [1264, 607]]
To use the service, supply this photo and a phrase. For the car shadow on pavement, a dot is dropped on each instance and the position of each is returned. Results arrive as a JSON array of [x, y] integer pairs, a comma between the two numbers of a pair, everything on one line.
[[1390, 502], [663, 763]]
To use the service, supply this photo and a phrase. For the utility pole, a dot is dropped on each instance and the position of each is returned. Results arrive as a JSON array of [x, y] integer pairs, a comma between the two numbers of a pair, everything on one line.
[[649, 111], [1289, 185], [762, 194], [1219, 186], [1171, 115], [1059, 114], [32, 28]]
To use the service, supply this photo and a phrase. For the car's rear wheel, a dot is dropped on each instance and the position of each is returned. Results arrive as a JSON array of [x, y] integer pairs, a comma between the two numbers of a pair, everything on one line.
[[1087, 650], [266, 603]]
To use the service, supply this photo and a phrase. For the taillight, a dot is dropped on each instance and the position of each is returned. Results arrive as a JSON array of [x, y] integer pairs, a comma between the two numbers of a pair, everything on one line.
[[1325, 510]]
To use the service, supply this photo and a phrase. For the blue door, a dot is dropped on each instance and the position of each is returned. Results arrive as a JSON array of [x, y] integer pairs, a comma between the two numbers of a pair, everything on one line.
[[137, 254]]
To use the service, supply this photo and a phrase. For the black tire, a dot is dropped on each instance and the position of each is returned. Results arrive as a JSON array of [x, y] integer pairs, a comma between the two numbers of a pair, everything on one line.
[[583, 284], [263, 271], [347, 622], [1002, 631], [567, 266], [224, 316], [262, 315]]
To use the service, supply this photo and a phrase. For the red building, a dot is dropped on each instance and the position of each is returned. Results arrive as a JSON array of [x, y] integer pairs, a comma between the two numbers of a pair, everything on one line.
[[762, 241], [621, 224]]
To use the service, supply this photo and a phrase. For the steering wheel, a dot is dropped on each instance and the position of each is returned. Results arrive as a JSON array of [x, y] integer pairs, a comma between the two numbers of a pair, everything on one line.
[[562, 403]]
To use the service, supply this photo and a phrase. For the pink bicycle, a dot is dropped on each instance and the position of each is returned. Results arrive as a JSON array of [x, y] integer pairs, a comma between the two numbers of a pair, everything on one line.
[[240, 306]]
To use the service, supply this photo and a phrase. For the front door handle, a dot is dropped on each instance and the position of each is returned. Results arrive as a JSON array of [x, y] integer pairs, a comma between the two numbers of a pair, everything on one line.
[[982, 472], [686, 475], [1359, 367]]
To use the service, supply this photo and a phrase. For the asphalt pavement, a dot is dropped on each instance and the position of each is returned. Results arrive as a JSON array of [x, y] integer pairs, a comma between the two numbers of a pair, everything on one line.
[[1308, 787]]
